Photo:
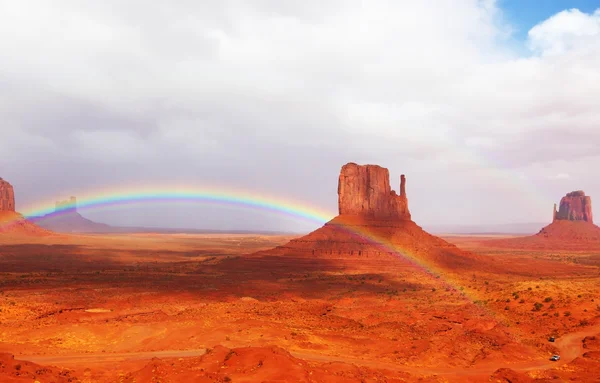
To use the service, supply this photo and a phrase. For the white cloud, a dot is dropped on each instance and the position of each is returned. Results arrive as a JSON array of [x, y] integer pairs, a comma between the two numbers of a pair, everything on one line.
[[428, 86], [559, 176], [566, 31]]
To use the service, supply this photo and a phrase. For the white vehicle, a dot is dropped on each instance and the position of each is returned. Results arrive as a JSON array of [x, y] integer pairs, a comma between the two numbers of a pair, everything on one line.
[[555, 358]]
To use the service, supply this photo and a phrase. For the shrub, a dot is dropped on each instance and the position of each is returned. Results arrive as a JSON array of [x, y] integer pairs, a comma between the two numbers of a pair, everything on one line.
[[567, 313], [548, 299], [537, 306]]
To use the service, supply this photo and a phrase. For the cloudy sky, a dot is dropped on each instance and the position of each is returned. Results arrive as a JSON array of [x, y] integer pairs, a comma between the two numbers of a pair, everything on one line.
[[489, 107]]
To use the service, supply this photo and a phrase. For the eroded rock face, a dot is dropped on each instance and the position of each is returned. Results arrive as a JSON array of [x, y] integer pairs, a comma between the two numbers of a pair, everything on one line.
[[7, 196], [365, 190], [575, 206]]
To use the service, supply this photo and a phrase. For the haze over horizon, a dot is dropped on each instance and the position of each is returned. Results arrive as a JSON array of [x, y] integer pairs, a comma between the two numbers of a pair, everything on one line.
[[488, 107]]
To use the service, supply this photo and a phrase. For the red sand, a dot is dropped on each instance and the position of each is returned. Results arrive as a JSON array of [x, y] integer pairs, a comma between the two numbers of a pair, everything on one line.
[[104, 306]]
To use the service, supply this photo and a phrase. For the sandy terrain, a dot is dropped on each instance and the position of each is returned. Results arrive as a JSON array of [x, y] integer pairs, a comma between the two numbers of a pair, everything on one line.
[[194, 308]]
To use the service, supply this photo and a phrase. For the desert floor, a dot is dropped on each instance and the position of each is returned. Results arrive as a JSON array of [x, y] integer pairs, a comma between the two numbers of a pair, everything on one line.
[[194, 308]]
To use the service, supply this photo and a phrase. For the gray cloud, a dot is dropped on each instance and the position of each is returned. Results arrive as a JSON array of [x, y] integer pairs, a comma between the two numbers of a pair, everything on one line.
[[274, 96]]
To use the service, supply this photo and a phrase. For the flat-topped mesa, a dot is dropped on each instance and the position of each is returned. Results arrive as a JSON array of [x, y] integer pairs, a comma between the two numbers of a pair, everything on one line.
[[69, 205], [575, 206], [7, 196], [364, 190]]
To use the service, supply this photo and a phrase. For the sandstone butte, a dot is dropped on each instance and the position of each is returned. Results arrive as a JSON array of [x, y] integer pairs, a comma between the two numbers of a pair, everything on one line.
[[575, 206], [7, 196], [374, 222], [572, 227], [10, 220]]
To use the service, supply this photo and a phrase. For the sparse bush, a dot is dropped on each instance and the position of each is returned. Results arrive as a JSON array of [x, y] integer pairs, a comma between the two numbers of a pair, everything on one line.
[[567, 313], [537, 306], [548, 299], [18, 367], [579, 296], [522, 301], [529, 288], [508, 300], [556, 314], [552, 306], [516, 296], [506, 308]]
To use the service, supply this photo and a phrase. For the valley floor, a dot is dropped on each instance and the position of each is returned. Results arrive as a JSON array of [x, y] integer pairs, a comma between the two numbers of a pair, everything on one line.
[[194, 308]]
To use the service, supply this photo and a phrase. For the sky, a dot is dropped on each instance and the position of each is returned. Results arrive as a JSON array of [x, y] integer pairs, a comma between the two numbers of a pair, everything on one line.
[[490, 108]]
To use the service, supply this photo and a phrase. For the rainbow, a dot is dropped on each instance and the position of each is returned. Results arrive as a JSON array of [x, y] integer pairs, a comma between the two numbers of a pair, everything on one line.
[[140, 195], [124, 197]]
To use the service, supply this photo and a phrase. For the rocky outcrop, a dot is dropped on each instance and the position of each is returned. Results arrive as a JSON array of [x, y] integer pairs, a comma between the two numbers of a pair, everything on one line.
[[374, 226], [364, 190], [575, 206], [7, 196]]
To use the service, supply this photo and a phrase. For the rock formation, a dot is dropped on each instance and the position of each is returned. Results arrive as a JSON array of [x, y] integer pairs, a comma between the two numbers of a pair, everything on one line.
[[572, 227], [375, 225], [66, 219], [575, 206], [69, 205], [7, 196], [12, 222], [365, 191]]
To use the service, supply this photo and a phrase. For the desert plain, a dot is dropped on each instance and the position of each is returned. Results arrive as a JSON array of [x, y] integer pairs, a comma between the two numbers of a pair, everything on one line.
[[368, 297], [142, 308]]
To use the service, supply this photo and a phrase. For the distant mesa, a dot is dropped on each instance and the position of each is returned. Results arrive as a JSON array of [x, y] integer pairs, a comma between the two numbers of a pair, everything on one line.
[[66, 219], [573, 221], [572, 227], [374, 223], [69, 205]]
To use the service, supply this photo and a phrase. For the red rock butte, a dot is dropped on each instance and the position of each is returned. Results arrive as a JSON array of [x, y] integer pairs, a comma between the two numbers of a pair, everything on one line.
[[575, 206], [572, 227], [7, 196], [374, 222], [366, 191], [10, 220]]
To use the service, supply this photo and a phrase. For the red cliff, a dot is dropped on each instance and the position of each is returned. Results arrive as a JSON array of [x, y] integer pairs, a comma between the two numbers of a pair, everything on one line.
[[575, 206], [7, 196], [364, 190]]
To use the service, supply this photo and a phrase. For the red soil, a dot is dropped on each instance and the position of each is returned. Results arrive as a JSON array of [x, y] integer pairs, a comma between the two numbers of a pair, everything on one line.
[[308, 317]]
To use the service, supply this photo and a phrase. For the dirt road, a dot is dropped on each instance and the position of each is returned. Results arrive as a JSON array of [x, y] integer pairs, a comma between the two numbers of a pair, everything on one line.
[[570, 346]]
